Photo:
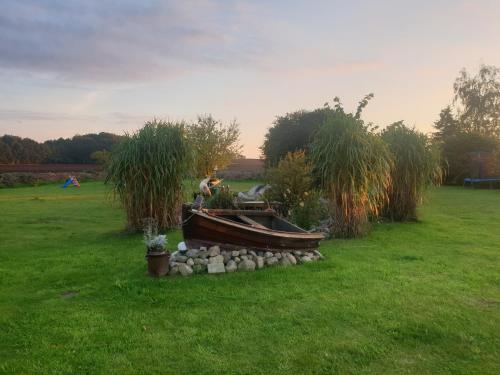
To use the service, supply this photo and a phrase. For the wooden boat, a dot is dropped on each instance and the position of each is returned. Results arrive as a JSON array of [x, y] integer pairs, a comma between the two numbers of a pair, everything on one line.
[[252, 229]]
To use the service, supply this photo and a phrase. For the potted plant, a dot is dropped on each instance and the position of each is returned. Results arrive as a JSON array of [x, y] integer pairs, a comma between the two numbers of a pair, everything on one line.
[[157, 256]]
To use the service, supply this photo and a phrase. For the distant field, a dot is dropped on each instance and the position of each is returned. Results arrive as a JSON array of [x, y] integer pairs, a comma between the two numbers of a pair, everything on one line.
[[238, 168], [415, 298]]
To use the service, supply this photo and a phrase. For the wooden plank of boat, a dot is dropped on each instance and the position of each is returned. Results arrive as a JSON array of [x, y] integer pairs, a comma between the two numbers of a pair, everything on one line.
[[204, 227], [253, 223]]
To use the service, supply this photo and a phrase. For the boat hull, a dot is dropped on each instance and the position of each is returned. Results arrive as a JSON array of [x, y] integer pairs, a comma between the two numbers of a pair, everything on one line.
[[201, 229]]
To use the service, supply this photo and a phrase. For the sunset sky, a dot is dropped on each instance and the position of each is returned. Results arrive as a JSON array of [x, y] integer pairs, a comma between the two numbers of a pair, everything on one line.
[[69, 67]]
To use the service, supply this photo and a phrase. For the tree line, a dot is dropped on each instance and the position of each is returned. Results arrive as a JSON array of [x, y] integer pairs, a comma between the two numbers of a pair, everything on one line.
[[80, 149]]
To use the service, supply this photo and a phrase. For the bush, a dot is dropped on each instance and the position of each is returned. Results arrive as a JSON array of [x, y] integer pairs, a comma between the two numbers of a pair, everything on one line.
[[352, 166], [415, 166], [308, 213], [222, 198], [18, 179], [457, 150], [290, 181], [147, 171]]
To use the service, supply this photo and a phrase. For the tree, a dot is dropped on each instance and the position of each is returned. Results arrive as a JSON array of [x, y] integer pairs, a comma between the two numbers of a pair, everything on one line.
[[101, 157], [295, 131], [291, 132], [214, 144], [478, 100], [80, 148], [457, 151], [21, 150], [447, 125]]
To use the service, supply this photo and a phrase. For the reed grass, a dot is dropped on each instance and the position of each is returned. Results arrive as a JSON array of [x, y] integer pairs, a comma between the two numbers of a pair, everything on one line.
[[146, 173], [416, 165], [353, 169]]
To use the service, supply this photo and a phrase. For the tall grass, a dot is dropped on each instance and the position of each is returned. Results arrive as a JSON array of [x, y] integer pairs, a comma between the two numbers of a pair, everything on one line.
[[415, 166], [147, 170], [353, 168]]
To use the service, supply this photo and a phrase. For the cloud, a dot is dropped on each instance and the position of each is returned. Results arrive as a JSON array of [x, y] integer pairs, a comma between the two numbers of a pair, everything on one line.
[[125, 40], [18, 116]]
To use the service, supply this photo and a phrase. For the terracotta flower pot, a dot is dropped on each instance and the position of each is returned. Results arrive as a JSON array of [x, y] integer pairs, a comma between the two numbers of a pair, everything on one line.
[[158, 263]]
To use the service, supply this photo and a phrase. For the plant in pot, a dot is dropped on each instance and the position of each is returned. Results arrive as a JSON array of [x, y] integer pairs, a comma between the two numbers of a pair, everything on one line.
[[157, 256]]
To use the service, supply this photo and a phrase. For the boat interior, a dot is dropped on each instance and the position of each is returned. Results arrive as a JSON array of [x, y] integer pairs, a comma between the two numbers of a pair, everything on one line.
[[261, 220]]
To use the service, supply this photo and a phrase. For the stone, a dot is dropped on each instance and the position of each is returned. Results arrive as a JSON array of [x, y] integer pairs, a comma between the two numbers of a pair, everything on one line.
[[259, 261], [317, 253], [199, 268], [244, 257], [260, 253], [285, 262], [184, 269], [309, 254], [192, 253], [235, 253], [243, 251], [272, 261], [200, 261], [203, 254], [203, 248], [174, 270], [305, 259], [278, 255], [216, 259], [292, 259], [213, 251], [227, 256], [297, 253], [181, 259], [268, 254], [237, 259], [246, 265], [190, 262], [231, 266], [252, 253], [216, 268]]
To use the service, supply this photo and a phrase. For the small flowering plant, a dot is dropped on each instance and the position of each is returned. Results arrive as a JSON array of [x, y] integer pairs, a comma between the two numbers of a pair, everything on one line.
[[154, 242]]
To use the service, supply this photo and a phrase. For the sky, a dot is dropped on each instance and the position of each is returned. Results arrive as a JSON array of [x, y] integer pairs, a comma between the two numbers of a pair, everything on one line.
[[75, 67]]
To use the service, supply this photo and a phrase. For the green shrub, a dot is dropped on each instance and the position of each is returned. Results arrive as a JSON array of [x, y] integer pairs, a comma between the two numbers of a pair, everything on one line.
[[18, 179], [290, 181], [222, 199], [309, 212]]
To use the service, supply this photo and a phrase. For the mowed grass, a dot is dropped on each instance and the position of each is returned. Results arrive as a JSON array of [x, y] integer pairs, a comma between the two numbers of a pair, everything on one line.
[[409, 298]]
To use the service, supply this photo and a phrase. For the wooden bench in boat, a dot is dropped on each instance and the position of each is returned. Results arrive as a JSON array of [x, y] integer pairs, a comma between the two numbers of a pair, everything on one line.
[[253, 223]]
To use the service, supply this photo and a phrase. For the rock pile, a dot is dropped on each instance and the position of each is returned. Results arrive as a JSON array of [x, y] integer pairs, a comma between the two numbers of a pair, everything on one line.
[[215, 260]]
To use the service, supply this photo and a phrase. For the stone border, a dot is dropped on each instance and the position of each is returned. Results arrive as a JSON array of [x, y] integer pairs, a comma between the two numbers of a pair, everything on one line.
[[215, 260]]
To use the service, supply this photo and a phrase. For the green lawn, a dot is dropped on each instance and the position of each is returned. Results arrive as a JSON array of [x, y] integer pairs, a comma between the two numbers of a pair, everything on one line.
[[409, 298]]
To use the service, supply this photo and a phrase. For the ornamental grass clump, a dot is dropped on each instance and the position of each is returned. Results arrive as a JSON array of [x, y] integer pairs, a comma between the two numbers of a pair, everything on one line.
[[352, 166], [146, 173], [416, 165]]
